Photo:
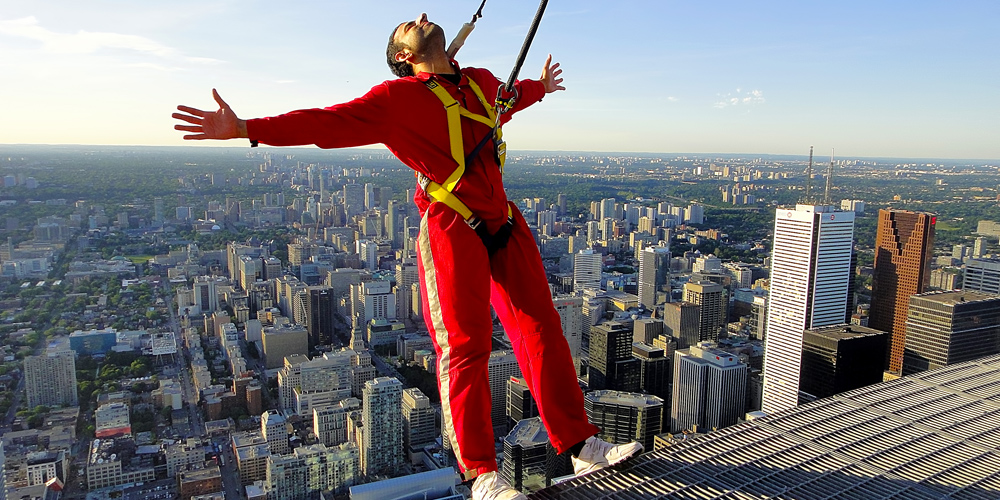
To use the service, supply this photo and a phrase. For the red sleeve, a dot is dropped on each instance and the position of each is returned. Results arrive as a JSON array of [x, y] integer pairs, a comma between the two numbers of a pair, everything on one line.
[[362, 121]]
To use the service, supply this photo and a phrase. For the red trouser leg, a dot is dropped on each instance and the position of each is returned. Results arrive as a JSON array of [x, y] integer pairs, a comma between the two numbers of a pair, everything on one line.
[[455, 291], [522, 300]]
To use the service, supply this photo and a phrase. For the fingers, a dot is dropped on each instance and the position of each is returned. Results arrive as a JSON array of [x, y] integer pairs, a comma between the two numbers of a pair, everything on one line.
[[218, 99], [190, 110], [188, 128], [195, 137], [187, 118]]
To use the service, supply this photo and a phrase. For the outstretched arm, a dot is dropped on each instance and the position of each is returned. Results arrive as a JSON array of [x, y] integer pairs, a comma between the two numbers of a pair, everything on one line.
[[220, 124], [550, 76]]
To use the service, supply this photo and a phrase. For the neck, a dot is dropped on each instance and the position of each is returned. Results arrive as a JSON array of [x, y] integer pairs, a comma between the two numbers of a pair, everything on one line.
[[436, 62]]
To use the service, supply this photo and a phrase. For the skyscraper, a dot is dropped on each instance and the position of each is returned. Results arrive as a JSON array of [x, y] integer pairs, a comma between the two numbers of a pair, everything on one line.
[[654, 370], [502, 366], [810, 268], [654, 276], [50, 379], [945, 328], [570, 311], [710, 296], [418, 421], [520, 403], [682, 321], [709, 389], [382, 417], [625, 416], [322, 308], [587, 266], [841, 358], [529, 461], [611, 363], [903, 250]]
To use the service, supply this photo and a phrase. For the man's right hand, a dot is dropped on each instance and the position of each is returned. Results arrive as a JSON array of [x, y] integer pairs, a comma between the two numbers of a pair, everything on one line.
[[220, 124]]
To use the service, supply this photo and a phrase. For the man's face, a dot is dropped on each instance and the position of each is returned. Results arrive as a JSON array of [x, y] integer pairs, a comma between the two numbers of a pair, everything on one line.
[[420, 35]]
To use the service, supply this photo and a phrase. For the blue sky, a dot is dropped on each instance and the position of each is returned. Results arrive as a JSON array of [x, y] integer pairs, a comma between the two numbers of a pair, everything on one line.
[[914, 79]]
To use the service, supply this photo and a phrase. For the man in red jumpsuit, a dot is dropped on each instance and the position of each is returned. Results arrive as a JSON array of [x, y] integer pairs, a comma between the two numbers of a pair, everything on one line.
[[459, 278]]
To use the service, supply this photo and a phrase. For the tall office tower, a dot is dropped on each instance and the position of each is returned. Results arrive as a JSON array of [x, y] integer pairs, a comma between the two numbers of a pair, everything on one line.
[[561, 203], [570, 311], [322, 309], [502, 366], [646, 329], [367, 250], [371, 201], [593, 231], [903, 250], [608, 228], [758, 317], [625, 416], [694, 214], [392, 218], [810, 268], [607, 209], [157, 211], [529, 461], [406, 276], [611, 363], [654, 276], [682, 321], [982, 275], [979, 248], [710, 296], [654, 370], [354, 199], [587, 266], [274, 428], [841, 358], [205, 293], [330, 422], [709, 389], [382, 417], [546, 222], [282, 341], [520, 403], [419, 429], [50, 379], [945, 328]]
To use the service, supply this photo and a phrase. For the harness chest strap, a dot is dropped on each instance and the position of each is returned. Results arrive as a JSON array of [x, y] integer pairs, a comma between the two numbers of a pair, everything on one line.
[[454, 112]]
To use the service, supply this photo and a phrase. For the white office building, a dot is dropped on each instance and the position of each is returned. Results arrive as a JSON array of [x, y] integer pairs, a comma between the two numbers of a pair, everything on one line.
[[810, 271]]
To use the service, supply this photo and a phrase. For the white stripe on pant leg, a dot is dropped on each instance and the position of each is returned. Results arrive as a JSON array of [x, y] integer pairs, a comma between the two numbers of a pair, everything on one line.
[[441, 335]]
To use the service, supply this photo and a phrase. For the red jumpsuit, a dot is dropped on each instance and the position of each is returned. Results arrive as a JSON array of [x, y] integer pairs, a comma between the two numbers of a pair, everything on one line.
[[458, 279]]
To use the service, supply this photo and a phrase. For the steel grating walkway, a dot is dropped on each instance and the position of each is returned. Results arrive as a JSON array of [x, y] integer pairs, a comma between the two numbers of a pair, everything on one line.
[[934, 435]]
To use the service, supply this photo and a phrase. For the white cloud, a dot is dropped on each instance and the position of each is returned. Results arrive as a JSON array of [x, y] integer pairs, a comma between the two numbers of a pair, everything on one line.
[[740, 98], [86, 42]]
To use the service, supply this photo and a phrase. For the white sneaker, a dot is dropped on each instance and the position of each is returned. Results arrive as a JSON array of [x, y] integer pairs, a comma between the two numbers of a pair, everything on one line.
[[491, 486], [597, 454]]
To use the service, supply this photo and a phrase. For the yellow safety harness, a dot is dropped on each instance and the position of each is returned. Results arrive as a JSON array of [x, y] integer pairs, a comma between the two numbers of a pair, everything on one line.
[[445, 192]]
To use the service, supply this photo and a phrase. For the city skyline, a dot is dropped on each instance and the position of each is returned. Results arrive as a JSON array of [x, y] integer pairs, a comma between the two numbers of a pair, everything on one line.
[[887, 80]]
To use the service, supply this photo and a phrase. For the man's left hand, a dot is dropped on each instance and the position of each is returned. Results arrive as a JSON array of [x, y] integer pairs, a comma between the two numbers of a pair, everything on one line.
[[550, 76]]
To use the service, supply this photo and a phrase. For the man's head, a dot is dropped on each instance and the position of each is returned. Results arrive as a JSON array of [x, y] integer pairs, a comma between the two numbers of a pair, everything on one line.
[[410, 42]]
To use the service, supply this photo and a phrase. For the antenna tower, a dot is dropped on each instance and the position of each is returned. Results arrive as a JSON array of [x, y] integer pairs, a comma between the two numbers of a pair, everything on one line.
[[829, 180], [809, 176]]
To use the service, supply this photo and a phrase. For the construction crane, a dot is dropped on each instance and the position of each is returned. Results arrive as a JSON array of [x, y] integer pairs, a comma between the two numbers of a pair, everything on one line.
[[809, 176], [829, 180]]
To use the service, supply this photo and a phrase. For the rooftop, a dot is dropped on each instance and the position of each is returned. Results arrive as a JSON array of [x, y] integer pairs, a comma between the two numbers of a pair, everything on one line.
[[926, 436]]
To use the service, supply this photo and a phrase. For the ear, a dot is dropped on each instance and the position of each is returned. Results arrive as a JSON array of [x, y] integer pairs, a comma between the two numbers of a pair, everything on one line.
[[403, 55]]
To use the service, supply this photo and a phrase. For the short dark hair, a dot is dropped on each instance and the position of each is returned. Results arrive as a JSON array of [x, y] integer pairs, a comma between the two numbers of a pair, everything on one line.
[[398, 68]]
